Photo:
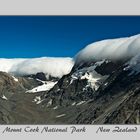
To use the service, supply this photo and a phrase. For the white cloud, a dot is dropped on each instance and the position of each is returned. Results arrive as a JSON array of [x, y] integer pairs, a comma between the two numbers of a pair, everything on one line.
[[110, 49], [56, 67]]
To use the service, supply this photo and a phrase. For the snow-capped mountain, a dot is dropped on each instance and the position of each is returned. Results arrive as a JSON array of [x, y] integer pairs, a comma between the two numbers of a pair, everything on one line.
[[100, 85]]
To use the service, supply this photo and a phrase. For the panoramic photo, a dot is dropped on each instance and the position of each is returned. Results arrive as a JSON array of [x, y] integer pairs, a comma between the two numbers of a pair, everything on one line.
[[69, 70]]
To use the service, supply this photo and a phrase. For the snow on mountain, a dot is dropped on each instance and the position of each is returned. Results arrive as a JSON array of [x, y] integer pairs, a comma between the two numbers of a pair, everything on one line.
[[113, 49], [15, 79], [4, 97], [45, 87], [55, 67], [37, 100], [94, 79]]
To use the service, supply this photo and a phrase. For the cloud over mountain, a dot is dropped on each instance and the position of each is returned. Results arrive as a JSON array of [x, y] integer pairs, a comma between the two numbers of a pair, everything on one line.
[[56, 67], [113, 49]]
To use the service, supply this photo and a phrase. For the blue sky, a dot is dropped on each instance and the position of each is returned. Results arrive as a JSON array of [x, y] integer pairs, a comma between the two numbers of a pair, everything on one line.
[[61, 36]]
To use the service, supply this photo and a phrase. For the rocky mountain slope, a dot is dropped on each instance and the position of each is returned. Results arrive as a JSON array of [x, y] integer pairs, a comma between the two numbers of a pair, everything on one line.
[[103, 87]]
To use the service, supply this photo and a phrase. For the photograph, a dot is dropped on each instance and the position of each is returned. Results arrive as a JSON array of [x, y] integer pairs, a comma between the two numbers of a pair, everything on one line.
[[69, 70]]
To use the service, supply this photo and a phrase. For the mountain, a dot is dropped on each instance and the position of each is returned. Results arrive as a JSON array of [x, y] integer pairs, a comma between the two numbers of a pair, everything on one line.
[[101, 86]]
